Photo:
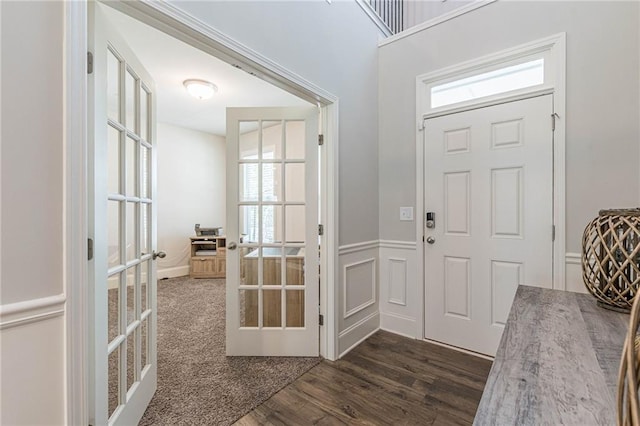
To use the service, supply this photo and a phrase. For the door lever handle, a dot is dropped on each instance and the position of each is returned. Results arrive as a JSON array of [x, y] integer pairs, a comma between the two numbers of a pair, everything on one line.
[[159, 254]]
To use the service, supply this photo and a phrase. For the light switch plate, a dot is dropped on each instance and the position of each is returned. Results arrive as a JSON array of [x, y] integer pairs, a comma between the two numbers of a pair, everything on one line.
[[406, 213]]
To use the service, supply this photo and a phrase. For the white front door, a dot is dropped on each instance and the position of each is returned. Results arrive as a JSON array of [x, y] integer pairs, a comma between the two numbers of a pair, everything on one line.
[[489, 183], [122, 218], [272, 232]]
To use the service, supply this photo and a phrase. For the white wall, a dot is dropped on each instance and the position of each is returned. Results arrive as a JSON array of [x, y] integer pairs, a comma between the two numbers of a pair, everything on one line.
[[191, 189], [31, 151], [602, 126], [418, 11]]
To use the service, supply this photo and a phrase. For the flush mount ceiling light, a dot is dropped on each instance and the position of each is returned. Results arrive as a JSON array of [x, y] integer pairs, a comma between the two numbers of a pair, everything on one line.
[[200, 89]]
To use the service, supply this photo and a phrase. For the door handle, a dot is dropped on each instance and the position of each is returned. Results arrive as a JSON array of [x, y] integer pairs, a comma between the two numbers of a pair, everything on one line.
[[431, 240], [232, 245], [159, 254]]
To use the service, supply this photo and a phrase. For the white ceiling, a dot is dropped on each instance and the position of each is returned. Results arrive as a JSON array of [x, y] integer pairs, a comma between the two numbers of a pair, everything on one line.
[[170, 62]]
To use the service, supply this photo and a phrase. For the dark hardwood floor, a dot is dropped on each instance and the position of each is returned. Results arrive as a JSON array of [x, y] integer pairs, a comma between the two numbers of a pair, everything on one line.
[[387, 380]]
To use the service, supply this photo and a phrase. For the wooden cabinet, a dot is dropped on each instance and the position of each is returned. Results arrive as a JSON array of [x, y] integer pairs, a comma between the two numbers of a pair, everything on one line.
[[208, 257]]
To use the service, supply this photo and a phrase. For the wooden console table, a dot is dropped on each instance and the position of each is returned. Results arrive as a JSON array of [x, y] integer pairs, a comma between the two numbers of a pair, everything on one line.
[[557, 362], [208, 257]]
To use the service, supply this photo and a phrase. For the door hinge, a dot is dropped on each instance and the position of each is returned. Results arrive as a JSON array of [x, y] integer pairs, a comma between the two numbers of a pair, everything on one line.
[[320, 140], [553, 232], [89, 63], [89, 248], [321, 319], [320, 229], [553, 121]]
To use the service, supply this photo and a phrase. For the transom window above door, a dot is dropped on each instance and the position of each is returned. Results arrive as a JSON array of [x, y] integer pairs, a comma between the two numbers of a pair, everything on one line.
[[536, 67], [501, 80]]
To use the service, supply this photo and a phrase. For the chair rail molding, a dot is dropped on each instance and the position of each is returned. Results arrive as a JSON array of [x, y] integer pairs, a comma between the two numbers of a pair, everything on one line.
[[30, 311]]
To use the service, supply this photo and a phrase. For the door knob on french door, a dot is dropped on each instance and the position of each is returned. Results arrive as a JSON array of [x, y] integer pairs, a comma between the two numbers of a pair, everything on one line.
[[159, 254], [431, 240], [232, 245]]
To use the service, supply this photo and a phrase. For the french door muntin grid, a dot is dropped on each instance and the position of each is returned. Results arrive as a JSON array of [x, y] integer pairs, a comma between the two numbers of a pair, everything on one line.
[[283, 245], [141, 231]]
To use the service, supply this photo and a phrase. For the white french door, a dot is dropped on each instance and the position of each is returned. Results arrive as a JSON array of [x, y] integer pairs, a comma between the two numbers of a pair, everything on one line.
[[122, 216], [489, 183], [272, 232]]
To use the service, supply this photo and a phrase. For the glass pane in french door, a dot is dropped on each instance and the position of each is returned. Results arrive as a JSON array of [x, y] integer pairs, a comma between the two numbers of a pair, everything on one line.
[[271, 217], [129, 229]]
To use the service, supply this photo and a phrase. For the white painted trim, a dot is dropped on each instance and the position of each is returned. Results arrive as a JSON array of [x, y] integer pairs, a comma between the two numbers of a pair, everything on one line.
[[463, 10], [389, 280], [29, 311], [354, 248], [371, 321], [176, 271], [559, 162], [75, 213], [373, 15], [329, 273], [573, 258], [520, 95], [573, 273], [553, 46], [420, 213], [556, 47], [402, 245], [31, 319], [367, 303], [398, 324]]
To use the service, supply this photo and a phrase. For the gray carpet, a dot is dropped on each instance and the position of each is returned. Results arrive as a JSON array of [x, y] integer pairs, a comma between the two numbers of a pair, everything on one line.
[[197, 383]]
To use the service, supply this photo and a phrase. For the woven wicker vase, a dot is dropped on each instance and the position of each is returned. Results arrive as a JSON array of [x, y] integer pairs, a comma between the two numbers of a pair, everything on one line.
[[611, 257]]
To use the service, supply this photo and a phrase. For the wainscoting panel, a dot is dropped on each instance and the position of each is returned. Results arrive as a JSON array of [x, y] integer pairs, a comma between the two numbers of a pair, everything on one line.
[[400, 291], [357, 295], [32, 353], [573, 273], [397, 281], [359, 307]]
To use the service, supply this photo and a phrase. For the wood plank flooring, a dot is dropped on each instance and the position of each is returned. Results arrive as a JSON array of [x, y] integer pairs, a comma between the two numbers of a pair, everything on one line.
[[387, 380]]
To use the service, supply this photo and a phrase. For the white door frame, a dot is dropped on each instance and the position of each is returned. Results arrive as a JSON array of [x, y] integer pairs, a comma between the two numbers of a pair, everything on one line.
[[554, 47], [175, 22]]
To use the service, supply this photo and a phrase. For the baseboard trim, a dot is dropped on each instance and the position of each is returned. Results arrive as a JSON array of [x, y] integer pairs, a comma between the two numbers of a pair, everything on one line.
[[357, 333], [30, 311], [177, 271], [573, 273], [398, 324]]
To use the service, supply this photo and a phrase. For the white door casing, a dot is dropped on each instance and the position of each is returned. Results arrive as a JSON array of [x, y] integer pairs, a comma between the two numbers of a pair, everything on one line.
[[272, 217], [122, 224], [489, 180]]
